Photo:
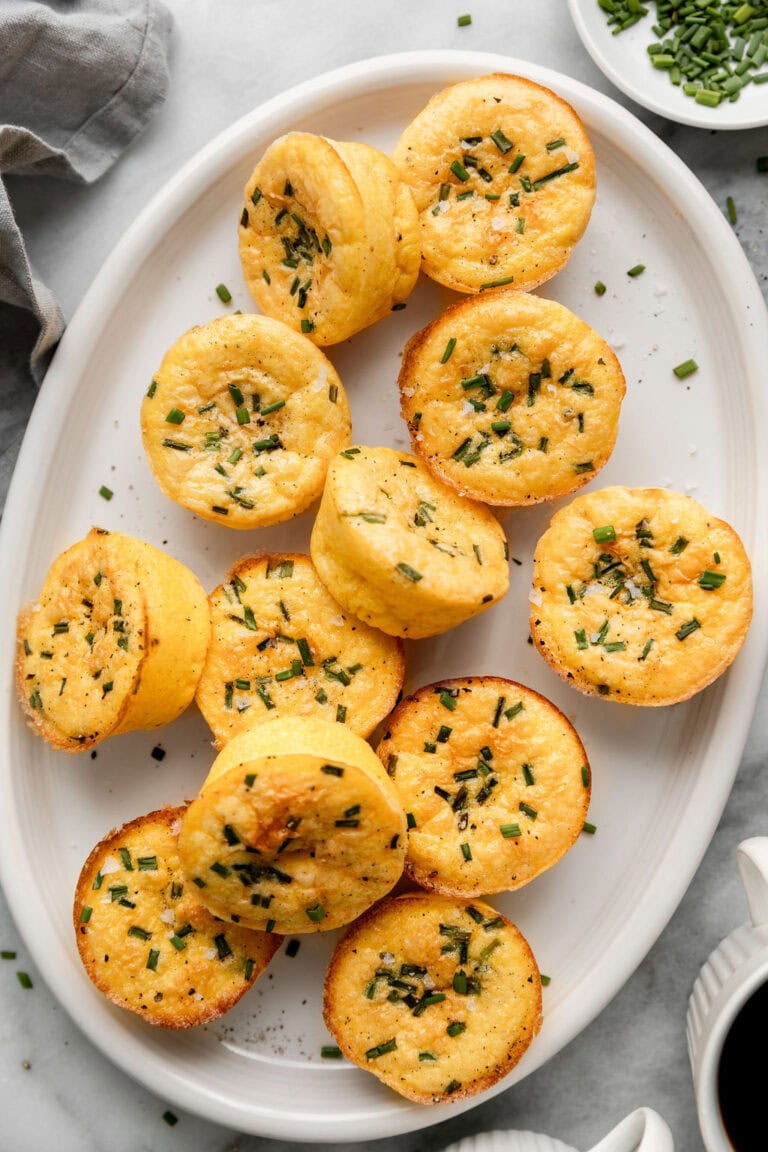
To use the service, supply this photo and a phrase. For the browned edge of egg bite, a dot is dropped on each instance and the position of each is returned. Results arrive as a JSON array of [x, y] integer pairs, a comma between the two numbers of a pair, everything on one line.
[[156, 1012]]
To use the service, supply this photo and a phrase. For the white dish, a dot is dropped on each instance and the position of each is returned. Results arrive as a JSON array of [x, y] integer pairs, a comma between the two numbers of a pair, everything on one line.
[[661, 776], [625, 61]]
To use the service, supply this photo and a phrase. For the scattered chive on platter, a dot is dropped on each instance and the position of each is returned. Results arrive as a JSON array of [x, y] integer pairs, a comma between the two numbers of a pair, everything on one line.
[[698, 62], [691, 334]]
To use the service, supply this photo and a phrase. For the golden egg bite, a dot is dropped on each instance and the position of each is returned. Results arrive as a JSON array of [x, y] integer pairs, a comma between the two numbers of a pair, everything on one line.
[[297, 828], [282, 646], [400, 549], [639, 595], [116, 641], [241, 419], [503, 175], [145, 940], [494, 780], [436, 997], [329, 236], [511, 399]]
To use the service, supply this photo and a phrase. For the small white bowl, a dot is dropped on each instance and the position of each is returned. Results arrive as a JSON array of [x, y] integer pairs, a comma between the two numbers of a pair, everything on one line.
[[625, 61], [642, 1131]]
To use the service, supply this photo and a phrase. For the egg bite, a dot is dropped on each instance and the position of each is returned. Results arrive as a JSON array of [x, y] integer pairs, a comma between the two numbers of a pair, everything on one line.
[[329, 236], [241, 419], [511, 399], [503, 175], [400, 549], [297, 828], [145, 940], [640, 595], [282, 646], [116, 641], [437, 997], [494, 779]]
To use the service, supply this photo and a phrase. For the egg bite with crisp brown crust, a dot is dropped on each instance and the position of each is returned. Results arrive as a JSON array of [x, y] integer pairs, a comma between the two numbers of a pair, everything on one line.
[[329, 236], [297, 828], [145, 939], [115, 642], [640, 595], [503, 175], [436, 997], [281, 646], [495, 781], [241, 419], [511, 399]]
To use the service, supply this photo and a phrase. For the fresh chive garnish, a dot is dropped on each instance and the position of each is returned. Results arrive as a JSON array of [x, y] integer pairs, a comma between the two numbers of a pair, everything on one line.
[[410, 820], [332, 770], [503, 144], [106, 493], [147, 863], [316, 914], [330, 1052], [24, 979], [686, 629], [636, 270], [448, 701], [409, 572], [590, 829], [731, 206], [510, 831], [278, 404], [381, 1049], [464, 21], [459, 171], [516, 163], [85, 914], [528, 775], [466, 851], [537, 184], [710, 580], [152, 959], [687, 368], [497, 283], [139, 933], [585, 775], [448, 350], [646, 649], [605, 535], [679, 545], [600, 288], [223, 293], [526, 808], [455, 1028]]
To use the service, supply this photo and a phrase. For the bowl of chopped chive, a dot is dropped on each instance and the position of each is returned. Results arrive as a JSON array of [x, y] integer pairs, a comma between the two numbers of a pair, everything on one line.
[[698, 62]]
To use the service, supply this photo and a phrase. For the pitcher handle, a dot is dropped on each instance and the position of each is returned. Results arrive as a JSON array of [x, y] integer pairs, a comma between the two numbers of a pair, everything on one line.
[[641, 1131], [752, 857]]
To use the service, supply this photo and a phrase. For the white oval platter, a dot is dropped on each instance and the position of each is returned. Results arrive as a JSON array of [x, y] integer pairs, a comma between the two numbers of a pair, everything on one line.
[[661, 776]]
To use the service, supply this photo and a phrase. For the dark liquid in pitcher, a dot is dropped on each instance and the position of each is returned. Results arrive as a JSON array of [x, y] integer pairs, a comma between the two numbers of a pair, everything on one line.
[[742, 1078]]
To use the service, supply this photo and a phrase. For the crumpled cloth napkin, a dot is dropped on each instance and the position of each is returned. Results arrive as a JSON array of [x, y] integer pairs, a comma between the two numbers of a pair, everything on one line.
[[79, 79]]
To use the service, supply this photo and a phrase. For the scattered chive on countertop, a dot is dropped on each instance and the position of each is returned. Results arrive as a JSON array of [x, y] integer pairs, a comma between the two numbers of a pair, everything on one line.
[[709, 49], [463, 21]]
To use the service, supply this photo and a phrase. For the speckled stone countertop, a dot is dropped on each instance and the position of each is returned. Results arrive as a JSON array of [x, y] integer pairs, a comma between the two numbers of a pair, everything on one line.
[[227, 58]]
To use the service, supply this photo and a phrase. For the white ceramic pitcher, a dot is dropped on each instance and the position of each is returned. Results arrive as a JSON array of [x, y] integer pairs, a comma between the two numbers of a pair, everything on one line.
[[641, 1131], [736, 969]]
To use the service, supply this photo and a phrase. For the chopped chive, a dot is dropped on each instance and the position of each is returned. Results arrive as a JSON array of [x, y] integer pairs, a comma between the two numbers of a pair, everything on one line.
[[332, 770], [427, 1056], [585, 775], [590, 829], [330, 1052], [466, 851], [448, 701], [497, 283], [455, 1028], [7, 955], [147, 863], [459, 170], [316, 914], [410, 820], [537, 184], [528, 775], [503, 144], [152, 959], [448, 350], [710, 580], [106, 493], [636, 270], [409, 572], [679, 545], [24, 979], [545, 980], [686, 629], [600, 288], [518, 160], [85, 914], [223, 293], [510, 831], [222, 947], [170, 1118], [731, 210], [514, 710], [273, 407], [687, 368], [381, 1049], [605, 535], [530, 812]]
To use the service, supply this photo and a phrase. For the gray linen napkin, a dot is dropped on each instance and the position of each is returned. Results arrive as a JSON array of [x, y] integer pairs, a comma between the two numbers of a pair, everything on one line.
[[78, 80]]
